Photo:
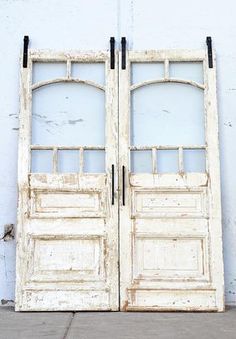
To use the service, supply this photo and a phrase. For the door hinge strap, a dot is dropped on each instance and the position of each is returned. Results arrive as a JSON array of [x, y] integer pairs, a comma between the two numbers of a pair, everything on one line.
[[112, 52], [123, 53], [25, 51], [209, 50]]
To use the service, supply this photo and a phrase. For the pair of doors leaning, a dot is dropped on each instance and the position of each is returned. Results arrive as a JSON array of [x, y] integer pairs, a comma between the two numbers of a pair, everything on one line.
[[133, 237]]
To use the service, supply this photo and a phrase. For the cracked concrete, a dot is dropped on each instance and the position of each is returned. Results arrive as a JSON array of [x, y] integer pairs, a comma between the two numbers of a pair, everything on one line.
[[116, 325]]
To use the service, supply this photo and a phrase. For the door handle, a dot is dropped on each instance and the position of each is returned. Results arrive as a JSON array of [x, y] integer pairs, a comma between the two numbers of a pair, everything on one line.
[[123, 185], [112, 184]]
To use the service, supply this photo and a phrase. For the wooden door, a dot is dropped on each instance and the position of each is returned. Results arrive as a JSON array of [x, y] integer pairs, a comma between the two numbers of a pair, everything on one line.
[[67, 234], [170, 218], [168, 206]]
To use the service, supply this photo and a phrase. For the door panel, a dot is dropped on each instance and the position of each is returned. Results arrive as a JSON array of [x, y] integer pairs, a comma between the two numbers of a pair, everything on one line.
[[67, 248], [124, 208], [170, 225]]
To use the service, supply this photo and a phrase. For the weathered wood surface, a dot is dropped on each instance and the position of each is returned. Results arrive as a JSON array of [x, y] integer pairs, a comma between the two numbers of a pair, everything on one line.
[[170, 227], [166, 238], [67, 233]]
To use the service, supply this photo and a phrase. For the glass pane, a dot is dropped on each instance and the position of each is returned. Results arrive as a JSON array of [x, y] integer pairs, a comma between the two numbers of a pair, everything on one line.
[[68, 114], [86, 71], [47, 71], [41, 161], [146, 71], [94, 161], [187, 71], [194, 161], [68, 161], [167, 161], [141, 162], [167, 114]]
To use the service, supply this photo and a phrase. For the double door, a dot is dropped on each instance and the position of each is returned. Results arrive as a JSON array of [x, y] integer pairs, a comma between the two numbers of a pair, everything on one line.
[[119, 191]]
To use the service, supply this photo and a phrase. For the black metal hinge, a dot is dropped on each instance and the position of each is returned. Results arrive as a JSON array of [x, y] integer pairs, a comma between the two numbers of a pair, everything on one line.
[[209, 50], [25, 51], [112, 52], [123, 53]]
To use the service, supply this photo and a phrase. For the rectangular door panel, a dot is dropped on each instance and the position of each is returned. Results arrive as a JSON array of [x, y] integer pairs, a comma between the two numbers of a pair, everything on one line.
[[169, 202]]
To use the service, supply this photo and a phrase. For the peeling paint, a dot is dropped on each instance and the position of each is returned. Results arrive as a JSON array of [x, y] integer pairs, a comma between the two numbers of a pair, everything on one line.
[[153, 39]]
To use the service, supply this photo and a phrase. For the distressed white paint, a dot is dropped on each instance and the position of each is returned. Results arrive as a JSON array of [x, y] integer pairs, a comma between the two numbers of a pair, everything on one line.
[[70, 25], [56, 259], [175, 267]]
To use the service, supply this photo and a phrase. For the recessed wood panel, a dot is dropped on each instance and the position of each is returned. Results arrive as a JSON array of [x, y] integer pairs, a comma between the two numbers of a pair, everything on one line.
[[169, 257], [164, 203], [66, 259], [56, 204]]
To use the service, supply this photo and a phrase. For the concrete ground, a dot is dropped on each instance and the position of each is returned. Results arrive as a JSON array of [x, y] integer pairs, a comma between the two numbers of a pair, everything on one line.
[[107, 325]]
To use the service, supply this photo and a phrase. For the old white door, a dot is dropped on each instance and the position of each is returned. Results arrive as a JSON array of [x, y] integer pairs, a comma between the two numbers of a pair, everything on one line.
[[169, 213], [170, 210], [67, 234]]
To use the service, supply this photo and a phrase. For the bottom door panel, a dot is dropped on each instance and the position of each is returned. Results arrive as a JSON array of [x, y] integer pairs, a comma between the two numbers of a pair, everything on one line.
[[172, 300], [69, 246], [166, 249]]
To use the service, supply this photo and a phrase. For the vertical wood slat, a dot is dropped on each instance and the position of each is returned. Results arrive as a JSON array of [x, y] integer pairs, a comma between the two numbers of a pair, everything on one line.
[[55, 160], [167, 70], [68, 68], [81, 160], [24, 165], [181, 160], [213, 169], [154, 160]]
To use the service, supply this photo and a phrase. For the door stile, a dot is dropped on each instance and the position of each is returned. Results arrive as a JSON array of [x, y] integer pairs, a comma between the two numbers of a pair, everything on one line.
[[23, 171], [213, 166], [124, 160], [112, 160]]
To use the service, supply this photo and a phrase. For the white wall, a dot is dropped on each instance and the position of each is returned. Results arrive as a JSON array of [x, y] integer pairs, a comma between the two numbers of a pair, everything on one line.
[[87, 25]]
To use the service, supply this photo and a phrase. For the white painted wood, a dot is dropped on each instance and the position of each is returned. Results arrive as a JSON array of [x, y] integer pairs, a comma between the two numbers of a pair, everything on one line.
[[73, 56], [213, 165], [169, 231], [23, 186], [67, 234], [170, 227], [66, 148], [66, 79], [165, 147], [166, 80], [171, 55]]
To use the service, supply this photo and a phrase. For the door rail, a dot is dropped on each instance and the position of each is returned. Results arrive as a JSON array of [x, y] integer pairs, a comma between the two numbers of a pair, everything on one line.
[[55, 150], [178, 148]]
